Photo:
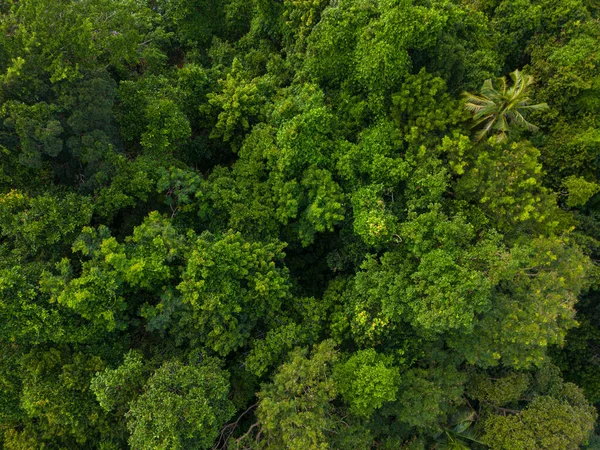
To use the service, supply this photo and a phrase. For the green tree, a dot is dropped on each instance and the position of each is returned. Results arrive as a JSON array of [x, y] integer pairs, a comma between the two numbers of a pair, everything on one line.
[[116, 388], [182, 406], [295, 411], [59, 406], [151, 114], [367, 380], [228, 287], [558, 416], [287, 185], [499, 108]]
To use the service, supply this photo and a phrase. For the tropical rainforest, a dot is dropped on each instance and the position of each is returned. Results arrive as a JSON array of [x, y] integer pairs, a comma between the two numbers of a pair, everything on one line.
[[299, 224]]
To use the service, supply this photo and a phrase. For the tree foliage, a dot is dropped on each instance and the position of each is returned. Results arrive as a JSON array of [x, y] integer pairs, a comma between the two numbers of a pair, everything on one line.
[[265, 224]]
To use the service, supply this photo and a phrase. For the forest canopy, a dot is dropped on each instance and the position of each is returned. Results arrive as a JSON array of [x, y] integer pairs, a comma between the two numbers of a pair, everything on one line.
[[299, 224]]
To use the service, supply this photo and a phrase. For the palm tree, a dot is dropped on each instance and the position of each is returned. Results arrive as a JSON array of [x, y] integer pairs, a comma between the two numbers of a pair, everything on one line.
[[499, 109]]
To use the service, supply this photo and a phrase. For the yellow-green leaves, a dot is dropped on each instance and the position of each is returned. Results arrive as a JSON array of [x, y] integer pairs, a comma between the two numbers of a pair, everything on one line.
[[367, 380], [579, 190], [532, 304], [374, 220], [42, 223], [239, 102], [111, 270], [506, 180]]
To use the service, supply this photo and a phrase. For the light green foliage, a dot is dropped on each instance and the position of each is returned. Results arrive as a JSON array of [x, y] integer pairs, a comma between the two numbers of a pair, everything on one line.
[[228, 287], [546, 423], [373, 220], [376, 158], [324, 209], [367, 380], [506, 180], [239, 102], [429, 178], [436, 110], [381, 53], [450, 271], [278, 180], [579, 190], [26, 315], [368, 44], [291, 186], [294, 411], [374, 45], [457, 148], [113, 269], [182, 406], [306, 130], [331, 45], [434, 281], [150, 250], [373, 169], [541, 279], [75, 36], [95, 295], [36, 231], [166, 125]]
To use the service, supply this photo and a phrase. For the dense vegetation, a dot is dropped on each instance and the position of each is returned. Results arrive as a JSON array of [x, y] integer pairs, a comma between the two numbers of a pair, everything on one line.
[[299, 224]]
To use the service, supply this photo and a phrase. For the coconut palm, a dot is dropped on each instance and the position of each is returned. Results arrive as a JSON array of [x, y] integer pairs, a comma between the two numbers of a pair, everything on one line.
[[498, 109]]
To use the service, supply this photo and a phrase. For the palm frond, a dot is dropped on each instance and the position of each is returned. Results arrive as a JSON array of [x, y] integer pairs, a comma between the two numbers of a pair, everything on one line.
[[498, 107], [538, 107]]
